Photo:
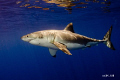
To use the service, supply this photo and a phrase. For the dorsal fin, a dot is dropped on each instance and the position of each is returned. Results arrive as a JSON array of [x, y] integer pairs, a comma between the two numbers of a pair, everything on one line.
[[69, 27]]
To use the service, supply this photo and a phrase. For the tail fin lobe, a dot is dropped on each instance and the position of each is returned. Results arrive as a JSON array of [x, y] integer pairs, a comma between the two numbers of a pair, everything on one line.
[[107, 39]]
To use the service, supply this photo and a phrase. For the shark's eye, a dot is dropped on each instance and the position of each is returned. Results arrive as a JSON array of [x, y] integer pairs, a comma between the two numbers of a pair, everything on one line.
[[27, 35]]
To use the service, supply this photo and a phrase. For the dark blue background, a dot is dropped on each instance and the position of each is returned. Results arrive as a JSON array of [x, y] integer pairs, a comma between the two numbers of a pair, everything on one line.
[[20, 60]]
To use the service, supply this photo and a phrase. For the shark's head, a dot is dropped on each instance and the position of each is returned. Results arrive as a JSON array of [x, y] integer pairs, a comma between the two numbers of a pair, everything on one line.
[[28, 37], [33, 38]]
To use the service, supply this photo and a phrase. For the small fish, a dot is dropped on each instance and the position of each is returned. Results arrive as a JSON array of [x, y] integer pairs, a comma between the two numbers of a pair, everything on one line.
[[65, 40]]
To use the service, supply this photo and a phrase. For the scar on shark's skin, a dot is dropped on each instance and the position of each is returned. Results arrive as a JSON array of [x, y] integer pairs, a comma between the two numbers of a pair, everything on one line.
[[65, 40]]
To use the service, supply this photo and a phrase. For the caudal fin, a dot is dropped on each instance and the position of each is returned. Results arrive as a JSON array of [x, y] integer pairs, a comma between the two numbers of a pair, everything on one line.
[[107, 39]]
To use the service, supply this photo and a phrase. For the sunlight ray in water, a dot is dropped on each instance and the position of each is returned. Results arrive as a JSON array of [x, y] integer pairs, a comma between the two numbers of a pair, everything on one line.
[[68, 5]]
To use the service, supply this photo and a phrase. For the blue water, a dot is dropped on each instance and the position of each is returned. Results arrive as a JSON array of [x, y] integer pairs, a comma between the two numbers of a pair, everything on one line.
[[20, 60]]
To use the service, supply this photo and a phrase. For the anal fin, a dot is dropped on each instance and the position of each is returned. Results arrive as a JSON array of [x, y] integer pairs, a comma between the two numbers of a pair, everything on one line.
[[88, 46]]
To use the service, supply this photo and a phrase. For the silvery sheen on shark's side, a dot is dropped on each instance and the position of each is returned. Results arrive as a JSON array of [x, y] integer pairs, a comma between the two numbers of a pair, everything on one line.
[[65, 40]]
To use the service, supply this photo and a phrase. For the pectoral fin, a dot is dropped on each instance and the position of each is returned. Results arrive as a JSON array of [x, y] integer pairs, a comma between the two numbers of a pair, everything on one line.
[[52, 52], [62, 47]]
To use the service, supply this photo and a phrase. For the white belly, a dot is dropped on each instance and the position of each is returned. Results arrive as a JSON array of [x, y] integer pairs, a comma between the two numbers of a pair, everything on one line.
[[43, 42], [74, 46], [70, 46], [46, 43]]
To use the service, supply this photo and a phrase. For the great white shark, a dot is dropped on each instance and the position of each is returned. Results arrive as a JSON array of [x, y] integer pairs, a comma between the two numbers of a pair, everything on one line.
[[65, 40]]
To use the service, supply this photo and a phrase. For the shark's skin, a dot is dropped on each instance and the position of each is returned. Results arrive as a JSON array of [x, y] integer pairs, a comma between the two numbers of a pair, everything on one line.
[[64, 40]]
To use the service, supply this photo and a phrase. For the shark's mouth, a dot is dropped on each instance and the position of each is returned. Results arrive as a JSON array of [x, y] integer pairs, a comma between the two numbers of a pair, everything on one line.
[[27, 40], [30, 40]]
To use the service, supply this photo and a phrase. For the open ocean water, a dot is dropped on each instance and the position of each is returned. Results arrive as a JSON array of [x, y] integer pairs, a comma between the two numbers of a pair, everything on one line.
[[20, 60]]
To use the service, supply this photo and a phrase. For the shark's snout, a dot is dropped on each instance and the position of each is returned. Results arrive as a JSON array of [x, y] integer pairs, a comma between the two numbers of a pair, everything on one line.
[[26, 38], [22, 37]]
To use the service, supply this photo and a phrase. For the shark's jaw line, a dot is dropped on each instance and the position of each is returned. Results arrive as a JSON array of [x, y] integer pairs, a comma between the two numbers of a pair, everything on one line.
[[64, 40]]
